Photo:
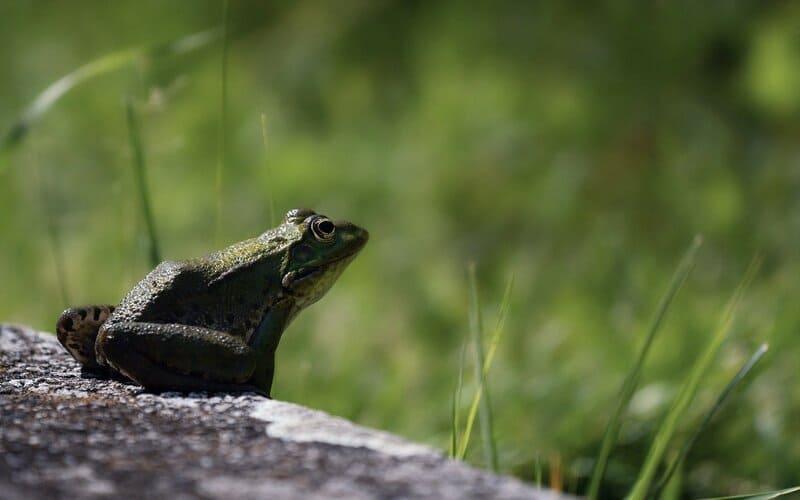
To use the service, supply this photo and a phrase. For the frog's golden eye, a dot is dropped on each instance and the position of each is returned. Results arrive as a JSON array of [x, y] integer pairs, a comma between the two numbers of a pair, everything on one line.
[[322, 229]]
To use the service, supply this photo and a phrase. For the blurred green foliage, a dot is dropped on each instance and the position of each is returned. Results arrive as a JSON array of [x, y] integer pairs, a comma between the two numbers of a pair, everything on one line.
[[578, 145]]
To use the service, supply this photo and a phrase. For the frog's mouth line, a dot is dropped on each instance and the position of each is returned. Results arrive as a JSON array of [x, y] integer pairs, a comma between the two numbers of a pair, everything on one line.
[[294, 277]]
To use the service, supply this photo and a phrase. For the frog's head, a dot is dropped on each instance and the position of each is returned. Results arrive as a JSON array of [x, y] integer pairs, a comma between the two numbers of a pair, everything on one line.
[[319, 255]]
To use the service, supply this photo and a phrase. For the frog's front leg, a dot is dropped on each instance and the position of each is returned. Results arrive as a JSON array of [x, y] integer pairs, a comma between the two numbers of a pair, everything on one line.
[[264, 342], [177, 357]]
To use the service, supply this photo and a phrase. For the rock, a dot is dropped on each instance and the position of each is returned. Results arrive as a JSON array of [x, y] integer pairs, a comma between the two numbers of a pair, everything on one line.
[[64, 434]]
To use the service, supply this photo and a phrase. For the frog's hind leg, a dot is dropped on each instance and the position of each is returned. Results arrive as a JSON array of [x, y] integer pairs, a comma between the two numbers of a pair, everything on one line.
[[77, 329], [175, 357]]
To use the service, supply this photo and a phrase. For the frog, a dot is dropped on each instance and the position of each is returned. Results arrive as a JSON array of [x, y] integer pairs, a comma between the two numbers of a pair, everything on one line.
[[214, 323]]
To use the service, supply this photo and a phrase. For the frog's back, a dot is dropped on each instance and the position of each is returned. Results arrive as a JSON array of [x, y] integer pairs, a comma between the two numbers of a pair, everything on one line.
[[154, 296], [229, 290]]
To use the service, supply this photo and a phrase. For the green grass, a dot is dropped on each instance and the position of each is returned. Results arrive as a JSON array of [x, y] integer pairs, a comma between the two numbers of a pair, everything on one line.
[[632, 380], [480, 404], [271, 194], [483, 393], [108, 63], [666, 430], [52, 230], [687, 446], [455, 408], [222, 146], [140, 175], [644, 487]]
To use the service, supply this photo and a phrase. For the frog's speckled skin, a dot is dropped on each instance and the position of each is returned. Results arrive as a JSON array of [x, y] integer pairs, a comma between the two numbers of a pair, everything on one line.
[[214, 323]]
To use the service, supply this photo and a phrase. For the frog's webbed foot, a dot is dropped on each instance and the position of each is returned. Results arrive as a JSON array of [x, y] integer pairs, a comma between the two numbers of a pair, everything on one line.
[[77, 329], [175, 357]]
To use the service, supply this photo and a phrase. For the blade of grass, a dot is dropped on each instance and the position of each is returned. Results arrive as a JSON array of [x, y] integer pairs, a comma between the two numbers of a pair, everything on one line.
[[473, 408], [100, 66], [456, 409], [632, 379], [269, 172], [486, 365], [223, 119], [502, 314], [451, 451], [134, 136], [484, 409], [674, 487], [53, 235], [704, 423], [689, 388], [769, 495]]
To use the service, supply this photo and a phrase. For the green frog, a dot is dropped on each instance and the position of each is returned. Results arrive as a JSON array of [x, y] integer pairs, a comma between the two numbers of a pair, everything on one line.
[[214, 323]]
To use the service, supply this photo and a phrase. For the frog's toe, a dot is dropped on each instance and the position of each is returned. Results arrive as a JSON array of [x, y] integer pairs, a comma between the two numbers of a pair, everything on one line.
[[77, 329]]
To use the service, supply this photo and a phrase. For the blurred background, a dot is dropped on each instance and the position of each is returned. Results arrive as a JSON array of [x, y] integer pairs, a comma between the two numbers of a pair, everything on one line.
[[579, 147]]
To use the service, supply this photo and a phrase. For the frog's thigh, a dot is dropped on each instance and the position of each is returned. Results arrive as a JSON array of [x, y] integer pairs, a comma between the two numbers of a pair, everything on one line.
[[174, 356]]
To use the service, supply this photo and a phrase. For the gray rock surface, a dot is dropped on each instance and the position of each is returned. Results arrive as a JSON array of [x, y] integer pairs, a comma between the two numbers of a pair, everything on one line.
[[64, 434]]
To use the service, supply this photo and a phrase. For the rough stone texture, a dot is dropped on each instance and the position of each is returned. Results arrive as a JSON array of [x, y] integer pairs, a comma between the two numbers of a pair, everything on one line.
[[64, 434]]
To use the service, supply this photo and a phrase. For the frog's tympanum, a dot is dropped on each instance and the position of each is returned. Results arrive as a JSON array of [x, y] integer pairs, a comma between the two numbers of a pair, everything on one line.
[[213, 323]]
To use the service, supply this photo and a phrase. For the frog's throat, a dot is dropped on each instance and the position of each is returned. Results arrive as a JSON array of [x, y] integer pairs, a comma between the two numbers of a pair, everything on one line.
[[312, 285]]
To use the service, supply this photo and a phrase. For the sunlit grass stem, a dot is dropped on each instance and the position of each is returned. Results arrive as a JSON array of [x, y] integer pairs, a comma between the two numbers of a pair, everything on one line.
[[139, 173], [455, 411], [100, 66], [486, 364], [631, 381], [223, 120], [484, 408], [53, 236], [270, 187], [453, 445]]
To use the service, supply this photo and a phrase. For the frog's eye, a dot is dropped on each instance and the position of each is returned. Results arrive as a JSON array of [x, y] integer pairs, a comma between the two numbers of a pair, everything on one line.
[[322, 229]]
